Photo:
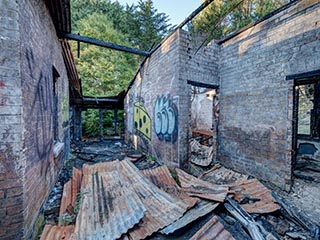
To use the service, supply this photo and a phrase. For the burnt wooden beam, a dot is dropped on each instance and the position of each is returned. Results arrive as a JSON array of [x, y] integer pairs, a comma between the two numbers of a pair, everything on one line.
[[101, 43]]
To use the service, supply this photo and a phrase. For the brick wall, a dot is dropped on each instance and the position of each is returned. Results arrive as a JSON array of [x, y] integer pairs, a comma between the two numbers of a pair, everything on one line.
[[11, 169], [255, 125], [161, 84], [40, 53], [154, 101], [28, 169]]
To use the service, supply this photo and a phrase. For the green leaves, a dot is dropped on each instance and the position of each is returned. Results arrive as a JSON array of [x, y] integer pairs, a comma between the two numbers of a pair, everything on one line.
[[223, 17]]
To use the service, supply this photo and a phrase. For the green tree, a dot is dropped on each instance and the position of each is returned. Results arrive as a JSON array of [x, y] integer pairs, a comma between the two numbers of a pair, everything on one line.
[[151, 26], [104, 72], [223, 17]]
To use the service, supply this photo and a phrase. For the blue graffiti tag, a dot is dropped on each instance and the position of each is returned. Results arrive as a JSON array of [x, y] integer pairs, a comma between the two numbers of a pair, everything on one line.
[[165, 119]]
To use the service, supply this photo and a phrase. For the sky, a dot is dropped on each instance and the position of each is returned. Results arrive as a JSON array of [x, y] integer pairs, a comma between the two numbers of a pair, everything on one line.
[[177, 10]]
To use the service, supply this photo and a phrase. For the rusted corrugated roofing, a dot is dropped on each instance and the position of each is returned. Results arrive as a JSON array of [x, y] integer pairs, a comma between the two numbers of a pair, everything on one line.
[[201, 155], [221, 175], [199, 188], [162, 208], [213, 229], [109, 205], [76, 180], [162, 178], [66, 200], [70, 193], [201, 209], [259, 197], [75, 84], [56, 233]]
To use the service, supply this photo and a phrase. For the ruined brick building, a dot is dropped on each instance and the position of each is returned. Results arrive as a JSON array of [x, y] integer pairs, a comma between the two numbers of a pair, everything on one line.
[[247, 85], [256, 71]]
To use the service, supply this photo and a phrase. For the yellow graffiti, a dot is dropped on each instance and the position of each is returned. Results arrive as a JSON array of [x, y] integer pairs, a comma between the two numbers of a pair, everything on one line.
[[142, 121]]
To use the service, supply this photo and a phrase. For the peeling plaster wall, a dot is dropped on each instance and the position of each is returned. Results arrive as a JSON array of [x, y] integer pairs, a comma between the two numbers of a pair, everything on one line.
[[255, 125], [28, 168]]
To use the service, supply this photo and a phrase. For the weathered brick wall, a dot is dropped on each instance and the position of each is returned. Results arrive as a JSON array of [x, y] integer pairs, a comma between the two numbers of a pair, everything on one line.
[[199, 65], [40, 52], [28, 169], [11, 170], [255, 125], [161, 84], [153, 114]]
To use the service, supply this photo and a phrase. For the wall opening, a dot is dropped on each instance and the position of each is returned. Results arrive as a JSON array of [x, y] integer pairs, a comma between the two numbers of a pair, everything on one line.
[[306, 130], [55, 108], [204, 113]]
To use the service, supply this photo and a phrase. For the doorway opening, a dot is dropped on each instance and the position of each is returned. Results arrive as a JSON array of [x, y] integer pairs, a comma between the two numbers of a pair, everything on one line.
[[204, 115], [306, 130]]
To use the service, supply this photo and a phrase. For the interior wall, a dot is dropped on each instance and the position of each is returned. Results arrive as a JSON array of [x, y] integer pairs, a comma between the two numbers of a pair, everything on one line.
[[256, 100]]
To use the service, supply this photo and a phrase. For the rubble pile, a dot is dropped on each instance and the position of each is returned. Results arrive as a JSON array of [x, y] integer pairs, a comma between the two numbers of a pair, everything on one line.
[[116, 200]]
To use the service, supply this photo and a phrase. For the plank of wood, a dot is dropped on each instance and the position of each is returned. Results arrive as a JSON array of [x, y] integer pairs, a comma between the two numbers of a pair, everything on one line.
[[56, 232]]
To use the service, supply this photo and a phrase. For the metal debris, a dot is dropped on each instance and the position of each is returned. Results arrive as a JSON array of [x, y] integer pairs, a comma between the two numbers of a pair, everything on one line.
[[56, 232], [199, 188], [201, 155], [213, 229], [109, 206], [162, 178], [162, 208], [201, 209], [221, 175], [254, 197]]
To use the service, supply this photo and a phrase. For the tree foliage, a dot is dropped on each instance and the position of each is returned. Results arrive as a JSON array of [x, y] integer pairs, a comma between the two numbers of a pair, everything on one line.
[[106, 72], [223, 17]]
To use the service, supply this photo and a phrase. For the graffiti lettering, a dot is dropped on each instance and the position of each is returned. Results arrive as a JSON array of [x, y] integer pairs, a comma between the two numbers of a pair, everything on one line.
[[142, 122], [165, 119], [41, 113]]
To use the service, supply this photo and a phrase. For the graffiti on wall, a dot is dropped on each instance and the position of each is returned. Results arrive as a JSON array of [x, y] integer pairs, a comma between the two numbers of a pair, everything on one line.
[[142, 121], [166, 119], [41, 112]]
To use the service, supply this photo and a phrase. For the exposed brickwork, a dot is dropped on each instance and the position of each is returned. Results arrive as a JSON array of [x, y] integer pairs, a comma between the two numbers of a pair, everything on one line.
[[255, 123], [29, 50], [10, 127], [161, 74], [256, 101], [40, 52]]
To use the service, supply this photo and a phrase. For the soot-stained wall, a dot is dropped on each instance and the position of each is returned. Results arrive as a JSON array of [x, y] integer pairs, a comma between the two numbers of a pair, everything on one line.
[[256, 100], [29, 164]]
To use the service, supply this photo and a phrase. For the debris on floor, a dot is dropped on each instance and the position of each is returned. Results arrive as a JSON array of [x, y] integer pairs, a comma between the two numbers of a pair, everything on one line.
[[134, 197], [201, 155]]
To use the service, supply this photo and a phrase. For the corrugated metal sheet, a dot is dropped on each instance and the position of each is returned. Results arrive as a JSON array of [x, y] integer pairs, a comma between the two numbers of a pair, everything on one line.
[[76, 180], [259, 197], [162, 178], [201, 209], [72, 72], [70, 193], [66, 200], [162, 208], [213, 229], [201, 155], [56, 233], [221, 175], [109, 206], [199, 188]]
